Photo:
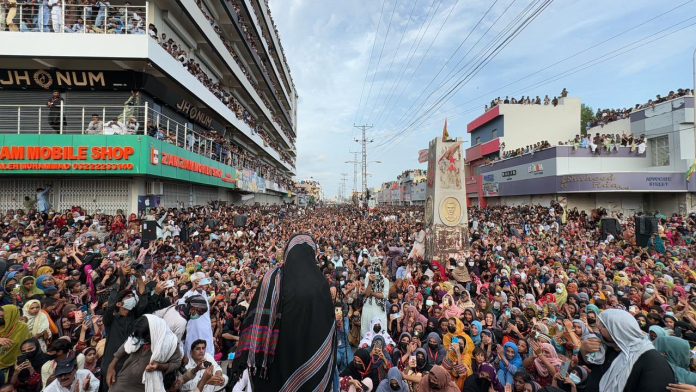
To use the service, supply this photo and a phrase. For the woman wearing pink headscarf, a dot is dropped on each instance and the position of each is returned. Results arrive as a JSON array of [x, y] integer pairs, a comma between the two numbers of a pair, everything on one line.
[[544, 364], [411, 317], [450, 308]]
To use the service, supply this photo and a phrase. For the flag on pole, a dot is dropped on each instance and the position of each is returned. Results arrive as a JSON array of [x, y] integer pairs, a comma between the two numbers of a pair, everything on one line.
[[445, 134], [423, 156], [690, 172]]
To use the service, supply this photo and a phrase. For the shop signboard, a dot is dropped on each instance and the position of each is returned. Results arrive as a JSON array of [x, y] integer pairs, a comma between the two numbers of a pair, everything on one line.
[[169, 161], [74, 155], [59, 79], [99, 155]]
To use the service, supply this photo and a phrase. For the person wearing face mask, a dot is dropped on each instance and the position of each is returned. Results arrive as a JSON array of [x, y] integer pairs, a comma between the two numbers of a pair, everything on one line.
[[592, 315], [376, 330], [435, 351], [359, 375], [145, 358], [631, 362], [416, 368], [119, 318], [460, 273], [199, 324], [376, 297], [561, 295], [394, 382], [437, 380]]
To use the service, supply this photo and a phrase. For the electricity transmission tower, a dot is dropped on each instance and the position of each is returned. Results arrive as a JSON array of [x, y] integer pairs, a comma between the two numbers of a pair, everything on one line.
[[363, 141]]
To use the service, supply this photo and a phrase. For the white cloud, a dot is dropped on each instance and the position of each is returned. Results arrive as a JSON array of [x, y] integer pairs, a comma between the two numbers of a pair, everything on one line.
[[328, 45]]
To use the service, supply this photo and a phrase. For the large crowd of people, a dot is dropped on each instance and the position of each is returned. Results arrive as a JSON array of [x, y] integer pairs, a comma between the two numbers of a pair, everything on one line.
[[598, 143], [261, 60], [606, 116], [224, 95], [541, 298], [527, 100], [72, 16]]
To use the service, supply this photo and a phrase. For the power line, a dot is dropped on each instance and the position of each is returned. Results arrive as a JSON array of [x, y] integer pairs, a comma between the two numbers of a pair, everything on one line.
[[577, 53], [379, 60], [398, 46], [486, 55], [481, 64], [461, 44], [640, 43], [367, 71], [414, 46], [432, 42]]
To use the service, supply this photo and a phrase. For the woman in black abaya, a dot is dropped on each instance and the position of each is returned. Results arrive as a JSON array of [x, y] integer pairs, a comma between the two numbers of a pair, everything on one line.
[[295, 352]]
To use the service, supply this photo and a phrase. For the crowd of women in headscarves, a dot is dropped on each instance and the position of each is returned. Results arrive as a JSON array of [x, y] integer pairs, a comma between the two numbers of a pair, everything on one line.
[[539, 299]]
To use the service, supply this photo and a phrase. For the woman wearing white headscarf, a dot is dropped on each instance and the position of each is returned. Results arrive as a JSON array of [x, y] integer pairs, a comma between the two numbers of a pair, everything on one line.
[[376, 297], [37, 321], [638, 366], [147, 356]]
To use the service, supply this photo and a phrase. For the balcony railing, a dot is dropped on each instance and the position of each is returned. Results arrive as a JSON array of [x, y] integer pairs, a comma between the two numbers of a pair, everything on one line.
[[128, 120], [70, 18]]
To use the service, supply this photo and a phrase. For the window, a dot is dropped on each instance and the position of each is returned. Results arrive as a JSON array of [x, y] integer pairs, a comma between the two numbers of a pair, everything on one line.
[[494, 133], [659, 150], [478, 140]]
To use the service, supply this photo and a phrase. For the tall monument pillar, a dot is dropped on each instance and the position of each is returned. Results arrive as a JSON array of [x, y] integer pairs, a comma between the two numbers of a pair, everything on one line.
[[446, 220]]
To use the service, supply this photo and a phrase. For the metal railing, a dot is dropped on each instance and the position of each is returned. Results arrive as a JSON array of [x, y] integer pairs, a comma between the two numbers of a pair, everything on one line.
[[123, 120], [102, 120], [70, 18]]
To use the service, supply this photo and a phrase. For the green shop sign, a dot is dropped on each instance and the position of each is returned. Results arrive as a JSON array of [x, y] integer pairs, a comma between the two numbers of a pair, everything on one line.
[[109, 155]]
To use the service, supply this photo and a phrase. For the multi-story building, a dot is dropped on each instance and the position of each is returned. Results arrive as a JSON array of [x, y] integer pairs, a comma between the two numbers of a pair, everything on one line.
[[408, 189], [510, 127], [177, 102], [638, 163], [308, 192]]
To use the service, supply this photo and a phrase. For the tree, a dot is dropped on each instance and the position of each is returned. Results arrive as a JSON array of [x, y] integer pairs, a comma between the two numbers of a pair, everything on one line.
[[586, 116]]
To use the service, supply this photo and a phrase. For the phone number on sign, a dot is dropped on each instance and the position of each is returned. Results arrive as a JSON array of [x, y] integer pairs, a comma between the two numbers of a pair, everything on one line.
[[65, 166]]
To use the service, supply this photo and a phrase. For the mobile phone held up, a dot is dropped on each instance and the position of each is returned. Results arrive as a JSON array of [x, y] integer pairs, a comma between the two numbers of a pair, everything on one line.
[[564, 369]]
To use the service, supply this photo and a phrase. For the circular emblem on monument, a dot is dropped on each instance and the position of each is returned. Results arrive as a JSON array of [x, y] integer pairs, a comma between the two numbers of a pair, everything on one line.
[[450, 211], [429, 211], [43, 79]]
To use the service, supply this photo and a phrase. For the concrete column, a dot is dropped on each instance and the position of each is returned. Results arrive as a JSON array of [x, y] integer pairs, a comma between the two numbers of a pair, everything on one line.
[[137, 188]]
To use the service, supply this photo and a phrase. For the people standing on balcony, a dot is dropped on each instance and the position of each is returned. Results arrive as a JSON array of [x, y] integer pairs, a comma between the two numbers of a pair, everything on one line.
[[55, 103], [3, 25], [11, 13], [96, 126], [152, 32], [130, 107], [56, 15], [101, 15]]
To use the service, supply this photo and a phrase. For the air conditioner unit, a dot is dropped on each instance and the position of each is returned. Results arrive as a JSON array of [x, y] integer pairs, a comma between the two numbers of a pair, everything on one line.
[[155, 188]]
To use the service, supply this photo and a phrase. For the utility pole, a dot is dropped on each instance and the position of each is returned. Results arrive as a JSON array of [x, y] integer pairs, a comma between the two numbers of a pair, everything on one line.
[[355, 163], [342, 193], [363, 141]]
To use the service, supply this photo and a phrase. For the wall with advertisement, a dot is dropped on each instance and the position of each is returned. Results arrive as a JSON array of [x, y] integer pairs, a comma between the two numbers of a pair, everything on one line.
[[119, 155], [595, 182], [74, 155]]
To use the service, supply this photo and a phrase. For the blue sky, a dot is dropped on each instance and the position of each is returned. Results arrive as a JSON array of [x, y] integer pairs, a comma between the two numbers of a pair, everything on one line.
[[329, 45]]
